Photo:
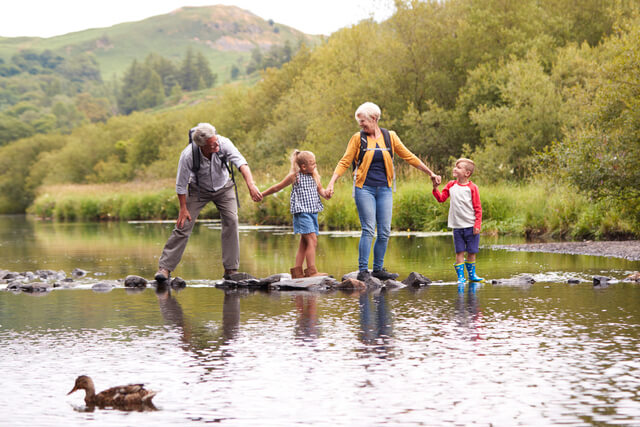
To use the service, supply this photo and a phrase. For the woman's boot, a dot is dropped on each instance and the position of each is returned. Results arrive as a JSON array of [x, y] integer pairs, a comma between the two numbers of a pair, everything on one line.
[[312, 271], [296, 273]]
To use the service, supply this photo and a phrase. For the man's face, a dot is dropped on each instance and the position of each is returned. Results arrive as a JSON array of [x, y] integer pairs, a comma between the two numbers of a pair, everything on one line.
[[211, 146]]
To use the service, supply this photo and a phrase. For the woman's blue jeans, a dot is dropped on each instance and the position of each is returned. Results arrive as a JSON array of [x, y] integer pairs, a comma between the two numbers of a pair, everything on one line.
[[375, 207]]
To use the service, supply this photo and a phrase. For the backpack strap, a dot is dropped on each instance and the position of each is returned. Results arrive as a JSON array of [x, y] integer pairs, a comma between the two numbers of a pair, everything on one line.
[[195, 156], [364, 148], [229, 167]]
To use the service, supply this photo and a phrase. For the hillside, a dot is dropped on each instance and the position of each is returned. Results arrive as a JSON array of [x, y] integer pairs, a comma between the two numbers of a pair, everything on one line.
[[224, 34]]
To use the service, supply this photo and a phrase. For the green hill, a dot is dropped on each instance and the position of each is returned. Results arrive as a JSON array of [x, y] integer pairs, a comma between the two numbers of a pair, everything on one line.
[[225, 35]]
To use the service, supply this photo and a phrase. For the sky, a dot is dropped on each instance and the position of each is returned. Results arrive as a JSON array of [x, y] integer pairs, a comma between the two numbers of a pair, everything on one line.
[[47, 18]]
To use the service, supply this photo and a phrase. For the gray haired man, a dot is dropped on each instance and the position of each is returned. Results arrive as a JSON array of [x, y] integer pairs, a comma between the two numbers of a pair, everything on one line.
[[211, 183]]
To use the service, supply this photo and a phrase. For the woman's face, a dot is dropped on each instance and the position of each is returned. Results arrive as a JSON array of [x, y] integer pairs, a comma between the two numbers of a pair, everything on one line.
[[368, 125]]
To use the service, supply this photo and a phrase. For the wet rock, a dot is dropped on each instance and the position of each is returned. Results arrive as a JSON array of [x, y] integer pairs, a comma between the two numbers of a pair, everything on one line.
[[11, 275], [102, 287], [393, 284], [416, 280], [635, 277], [78, 272], [523, 279], [178, 283], [50, 274], [351, 284], [35, 287], [133, 281], [573, 281], [305, 283], [274, 278]]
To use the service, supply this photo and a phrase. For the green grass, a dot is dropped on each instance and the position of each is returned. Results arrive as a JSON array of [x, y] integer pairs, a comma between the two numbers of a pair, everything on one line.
[[531, 210]]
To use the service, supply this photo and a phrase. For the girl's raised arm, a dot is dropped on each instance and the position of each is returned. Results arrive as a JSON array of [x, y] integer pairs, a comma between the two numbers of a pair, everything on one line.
[[288, 180]]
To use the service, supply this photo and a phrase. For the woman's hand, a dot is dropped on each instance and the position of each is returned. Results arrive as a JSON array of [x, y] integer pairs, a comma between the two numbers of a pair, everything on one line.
[[436, 179]]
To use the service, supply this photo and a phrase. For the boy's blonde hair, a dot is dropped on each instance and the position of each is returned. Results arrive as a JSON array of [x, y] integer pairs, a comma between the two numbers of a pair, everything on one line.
[[468, 164]]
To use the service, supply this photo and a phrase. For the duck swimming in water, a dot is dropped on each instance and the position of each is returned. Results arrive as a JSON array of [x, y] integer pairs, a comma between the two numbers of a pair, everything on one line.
[[128, 397]]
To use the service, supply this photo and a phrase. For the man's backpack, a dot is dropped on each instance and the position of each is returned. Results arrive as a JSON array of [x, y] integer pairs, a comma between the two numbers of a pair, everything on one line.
[[364, 148], [196, 155]]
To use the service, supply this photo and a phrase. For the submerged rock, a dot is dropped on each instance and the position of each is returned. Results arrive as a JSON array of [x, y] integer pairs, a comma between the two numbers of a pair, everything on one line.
[[603, 281], [102, 287], [573, 281], [78, 272], [523, 279], [133, 281]]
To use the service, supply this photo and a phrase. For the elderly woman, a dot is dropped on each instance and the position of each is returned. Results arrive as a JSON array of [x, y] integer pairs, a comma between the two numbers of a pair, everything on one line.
[[372, 151]]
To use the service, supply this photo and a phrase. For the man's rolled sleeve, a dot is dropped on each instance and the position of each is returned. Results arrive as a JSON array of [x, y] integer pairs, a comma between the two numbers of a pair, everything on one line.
[[184, 173], [233, 154]]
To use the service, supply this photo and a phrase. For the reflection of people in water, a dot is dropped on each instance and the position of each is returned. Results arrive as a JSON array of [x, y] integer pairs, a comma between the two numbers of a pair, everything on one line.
[[200, 339], [376, 322], [468, 311], [307, 306]]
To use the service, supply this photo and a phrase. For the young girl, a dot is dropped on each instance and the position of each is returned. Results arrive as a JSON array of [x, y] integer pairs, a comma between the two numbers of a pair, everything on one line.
[[305, 205]]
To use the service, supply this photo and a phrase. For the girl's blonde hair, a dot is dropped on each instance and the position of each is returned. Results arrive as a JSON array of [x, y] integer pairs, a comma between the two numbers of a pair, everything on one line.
[[299, 158]]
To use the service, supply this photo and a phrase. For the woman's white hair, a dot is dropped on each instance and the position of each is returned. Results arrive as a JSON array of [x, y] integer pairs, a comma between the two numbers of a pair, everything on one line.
[[202, 133], [369, 110]]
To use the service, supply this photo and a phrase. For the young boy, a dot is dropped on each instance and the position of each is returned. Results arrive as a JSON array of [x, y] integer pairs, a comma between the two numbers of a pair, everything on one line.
[[465, 217]]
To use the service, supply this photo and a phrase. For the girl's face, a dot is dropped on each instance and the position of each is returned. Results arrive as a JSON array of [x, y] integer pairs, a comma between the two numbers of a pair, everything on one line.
[[308, 166]]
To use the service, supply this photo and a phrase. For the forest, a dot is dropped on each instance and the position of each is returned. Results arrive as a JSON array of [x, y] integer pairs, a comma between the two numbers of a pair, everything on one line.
[[542, 94]]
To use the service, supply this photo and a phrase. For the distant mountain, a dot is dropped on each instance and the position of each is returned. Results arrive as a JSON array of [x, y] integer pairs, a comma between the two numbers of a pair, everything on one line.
[[224, 34]]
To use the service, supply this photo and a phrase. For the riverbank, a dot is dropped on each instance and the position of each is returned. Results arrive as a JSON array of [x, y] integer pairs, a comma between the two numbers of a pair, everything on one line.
[[534, 210], [629, 249]]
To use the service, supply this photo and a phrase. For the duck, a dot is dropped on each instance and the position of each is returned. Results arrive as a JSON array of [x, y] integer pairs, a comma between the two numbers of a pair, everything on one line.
[[128, 397]]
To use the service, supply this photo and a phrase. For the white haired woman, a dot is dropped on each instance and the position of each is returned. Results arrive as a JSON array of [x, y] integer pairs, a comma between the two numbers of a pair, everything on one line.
[[372, 151]]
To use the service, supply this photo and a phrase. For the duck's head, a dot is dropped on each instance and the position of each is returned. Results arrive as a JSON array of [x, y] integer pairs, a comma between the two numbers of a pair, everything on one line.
[[82, 382]]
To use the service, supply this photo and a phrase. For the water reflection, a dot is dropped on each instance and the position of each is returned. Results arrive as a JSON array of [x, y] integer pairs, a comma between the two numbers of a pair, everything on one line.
[[201, 340], [468, 311], [376, 323], [307, 323]]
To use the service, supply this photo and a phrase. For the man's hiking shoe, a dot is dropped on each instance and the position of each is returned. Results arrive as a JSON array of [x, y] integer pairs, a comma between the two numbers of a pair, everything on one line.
[[162, 275], [237, 277], [384, 275], [363, 275]]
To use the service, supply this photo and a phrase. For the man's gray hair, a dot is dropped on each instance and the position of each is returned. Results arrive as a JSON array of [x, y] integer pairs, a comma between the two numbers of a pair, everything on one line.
[[369, 110], [202, 133]]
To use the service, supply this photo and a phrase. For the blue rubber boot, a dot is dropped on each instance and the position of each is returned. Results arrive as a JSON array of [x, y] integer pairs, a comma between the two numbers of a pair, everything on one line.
[[460, 272], [471, 269]]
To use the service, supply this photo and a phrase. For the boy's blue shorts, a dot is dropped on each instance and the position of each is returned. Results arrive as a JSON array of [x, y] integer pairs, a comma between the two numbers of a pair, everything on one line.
[[305, 223], [465, 241]]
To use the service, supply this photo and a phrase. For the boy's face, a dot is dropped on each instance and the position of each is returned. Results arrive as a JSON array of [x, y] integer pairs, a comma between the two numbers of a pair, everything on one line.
[[460, 171]]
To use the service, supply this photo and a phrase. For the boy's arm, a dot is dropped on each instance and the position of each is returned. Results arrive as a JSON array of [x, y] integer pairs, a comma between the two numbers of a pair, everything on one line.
[[288, 180], [441, 197], [477, 208]]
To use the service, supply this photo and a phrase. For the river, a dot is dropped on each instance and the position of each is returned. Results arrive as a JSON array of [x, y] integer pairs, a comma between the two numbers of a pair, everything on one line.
[[501, 354]]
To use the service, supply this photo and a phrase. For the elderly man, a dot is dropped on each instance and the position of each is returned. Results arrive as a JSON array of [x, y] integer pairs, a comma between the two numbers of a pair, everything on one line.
[[203, 177]]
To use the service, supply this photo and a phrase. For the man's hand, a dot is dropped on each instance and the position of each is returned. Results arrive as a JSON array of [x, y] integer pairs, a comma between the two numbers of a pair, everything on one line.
[[182, 216], [256, 196]]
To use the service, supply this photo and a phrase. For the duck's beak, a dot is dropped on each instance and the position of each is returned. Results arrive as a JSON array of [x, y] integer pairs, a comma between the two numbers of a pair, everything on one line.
[[72, 390]]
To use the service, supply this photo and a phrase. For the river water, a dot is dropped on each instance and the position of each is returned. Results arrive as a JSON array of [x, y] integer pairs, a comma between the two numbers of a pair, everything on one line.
[[497, 354]]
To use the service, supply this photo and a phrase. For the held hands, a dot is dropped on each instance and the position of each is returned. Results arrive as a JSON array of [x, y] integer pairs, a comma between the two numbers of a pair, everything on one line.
[[476, 230], [436, 180], [256, 196], [328, 191]]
